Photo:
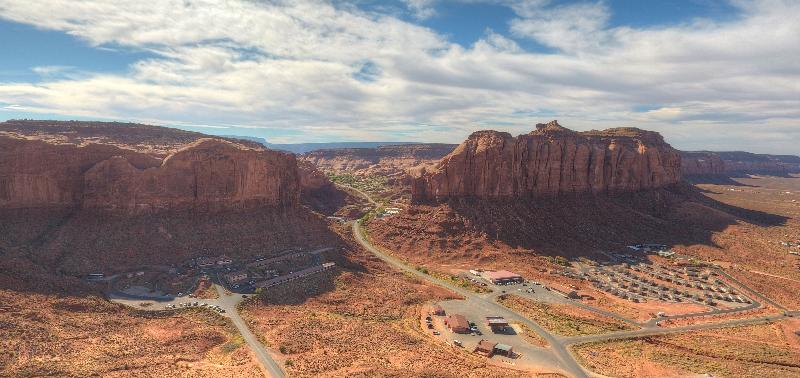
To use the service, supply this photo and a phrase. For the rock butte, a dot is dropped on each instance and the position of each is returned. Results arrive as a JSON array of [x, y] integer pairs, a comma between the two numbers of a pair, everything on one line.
[[205, 173], [549, 161]]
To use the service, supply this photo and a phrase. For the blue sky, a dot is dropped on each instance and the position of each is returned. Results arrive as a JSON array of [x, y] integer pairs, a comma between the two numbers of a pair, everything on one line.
[[707, 74]]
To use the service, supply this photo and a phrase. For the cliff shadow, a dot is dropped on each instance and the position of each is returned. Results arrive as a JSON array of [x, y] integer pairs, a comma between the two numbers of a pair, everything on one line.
[[581, 225], [51, 251], [716, 180]]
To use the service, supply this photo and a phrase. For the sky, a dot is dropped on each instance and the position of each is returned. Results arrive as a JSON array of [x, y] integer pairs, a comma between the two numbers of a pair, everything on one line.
[[707, 74]]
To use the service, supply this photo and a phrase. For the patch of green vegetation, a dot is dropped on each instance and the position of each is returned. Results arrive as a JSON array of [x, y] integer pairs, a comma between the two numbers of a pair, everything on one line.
[[374, 186], [460, 281], [233, 344], [558, 260]]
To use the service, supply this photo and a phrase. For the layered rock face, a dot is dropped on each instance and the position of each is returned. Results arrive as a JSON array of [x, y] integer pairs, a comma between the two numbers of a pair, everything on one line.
[[702, 163], [207, 173], [34, 173], [550, 161]]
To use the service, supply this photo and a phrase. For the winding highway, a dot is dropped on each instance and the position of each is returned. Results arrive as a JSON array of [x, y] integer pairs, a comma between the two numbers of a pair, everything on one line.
[[561, 356]]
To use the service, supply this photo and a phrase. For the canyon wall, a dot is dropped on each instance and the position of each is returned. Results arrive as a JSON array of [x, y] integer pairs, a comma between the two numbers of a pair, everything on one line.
[[43, 170], [550, 161], [702, 163]]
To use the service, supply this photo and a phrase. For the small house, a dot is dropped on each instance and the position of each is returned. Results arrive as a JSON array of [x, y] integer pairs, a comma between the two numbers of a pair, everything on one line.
[[504, 350], [437, 310], [497, 324], [457, 323]]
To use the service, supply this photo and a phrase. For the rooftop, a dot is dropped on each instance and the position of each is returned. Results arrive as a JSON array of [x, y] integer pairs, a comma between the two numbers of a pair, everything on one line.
[[501, 274]]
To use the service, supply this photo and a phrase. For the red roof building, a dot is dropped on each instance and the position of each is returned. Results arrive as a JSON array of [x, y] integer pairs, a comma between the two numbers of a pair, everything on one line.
[[485, 347], [457, 323]]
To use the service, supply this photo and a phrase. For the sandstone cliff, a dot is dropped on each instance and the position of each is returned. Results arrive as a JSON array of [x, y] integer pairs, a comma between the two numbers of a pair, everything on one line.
[[549, 161], [702, 163], [41, 168], [207, 172]]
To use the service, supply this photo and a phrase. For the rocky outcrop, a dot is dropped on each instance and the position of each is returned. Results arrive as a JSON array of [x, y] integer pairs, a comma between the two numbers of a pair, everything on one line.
[[207, 173], [551, 161]]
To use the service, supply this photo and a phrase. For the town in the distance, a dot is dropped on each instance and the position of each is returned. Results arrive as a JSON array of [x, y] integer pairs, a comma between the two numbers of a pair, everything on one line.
[[138, 250]]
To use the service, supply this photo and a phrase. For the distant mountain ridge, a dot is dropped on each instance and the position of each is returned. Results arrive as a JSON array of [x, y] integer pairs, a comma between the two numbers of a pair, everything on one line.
[[737, 162], [301, 148]]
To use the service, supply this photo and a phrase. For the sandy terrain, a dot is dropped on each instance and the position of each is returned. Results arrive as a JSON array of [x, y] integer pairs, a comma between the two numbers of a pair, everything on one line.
[[85, 336], [747, 351], [362, 321], [564, 319]]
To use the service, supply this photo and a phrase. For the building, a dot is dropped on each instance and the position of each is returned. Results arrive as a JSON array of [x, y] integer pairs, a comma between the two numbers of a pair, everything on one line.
[[502, 277], [224, 260], [497, 323], [504, 350], [234, 278], [205, 262], [485, 348], [437, 310], [666, 253], [457, 323]]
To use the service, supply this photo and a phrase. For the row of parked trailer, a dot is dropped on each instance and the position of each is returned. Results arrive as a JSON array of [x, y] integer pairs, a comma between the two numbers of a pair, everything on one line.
[[625, 284], [195, 304]]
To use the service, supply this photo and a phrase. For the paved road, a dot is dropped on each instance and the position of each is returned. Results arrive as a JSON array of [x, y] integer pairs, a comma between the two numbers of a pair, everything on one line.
[[665, 331], [364, 195], [228, 302], [563, 359]]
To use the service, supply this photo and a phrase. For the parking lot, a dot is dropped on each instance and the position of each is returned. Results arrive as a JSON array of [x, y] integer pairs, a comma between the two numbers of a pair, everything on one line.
[[527, 356]]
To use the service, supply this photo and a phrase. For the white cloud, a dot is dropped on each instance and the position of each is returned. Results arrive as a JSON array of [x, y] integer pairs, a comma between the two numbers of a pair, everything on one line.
[[298, 65], [421, 9]]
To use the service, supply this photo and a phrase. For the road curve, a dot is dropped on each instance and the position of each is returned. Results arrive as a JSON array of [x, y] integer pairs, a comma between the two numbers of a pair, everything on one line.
[[566, 361], [229, 303]]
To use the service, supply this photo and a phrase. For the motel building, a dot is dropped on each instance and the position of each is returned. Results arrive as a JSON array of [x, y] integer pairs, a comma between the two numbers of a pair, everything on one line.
[[502, 277]]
